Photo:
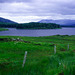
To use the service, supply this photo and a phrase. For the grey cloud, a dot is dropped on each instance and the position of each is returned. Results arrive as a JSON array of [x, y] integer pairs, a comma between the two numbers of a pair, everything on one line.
[[52, 8], [39, 8], [9, 1]]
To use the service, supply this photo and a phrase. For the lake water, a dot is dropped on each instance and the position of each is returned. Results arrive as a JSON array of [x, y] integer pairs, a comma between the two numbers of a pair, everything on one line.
[[36, 32]]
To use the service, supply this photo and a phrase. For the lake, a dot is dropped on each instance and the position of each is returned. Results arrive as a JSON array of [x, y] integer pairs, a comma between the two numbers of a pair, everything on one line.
[[37, 32]]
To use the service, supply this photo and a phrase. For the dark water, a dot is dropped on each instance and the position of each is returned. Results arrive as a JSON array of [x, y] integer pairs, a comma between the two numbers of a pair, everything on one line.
[[36, 32]]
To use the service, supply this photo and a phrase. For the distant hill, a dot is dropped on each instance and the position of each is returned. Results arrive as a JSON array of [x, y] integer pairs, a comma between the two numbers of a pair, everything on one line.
[[3, 20], [62, 22]]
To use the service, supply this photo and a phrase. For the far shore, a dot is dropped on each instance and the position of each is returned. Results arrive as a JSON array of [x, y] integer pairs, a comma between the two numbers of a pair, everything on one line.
[[3, 29]]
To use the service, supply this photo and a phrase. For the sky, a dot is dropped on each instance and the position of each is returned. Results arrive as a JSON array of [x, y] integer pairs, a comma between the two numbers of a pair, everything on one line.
[[24, 11]]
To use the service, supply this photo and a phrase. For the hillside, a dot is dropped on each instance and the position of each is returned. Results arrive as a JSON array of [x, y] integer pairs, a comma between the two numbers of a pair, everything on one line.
[[3, 20], [62, 22]]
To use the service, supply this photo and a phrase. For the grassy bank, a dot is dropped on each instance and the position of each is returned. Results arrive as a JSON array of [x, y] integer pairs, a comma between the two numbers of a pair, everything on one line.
[[2, 29], [41, 59]]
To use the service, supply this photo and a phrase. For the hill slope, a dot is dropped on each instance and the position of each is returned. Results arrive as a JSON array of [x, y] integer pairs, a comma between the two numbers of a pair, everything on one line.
[[3, 20]]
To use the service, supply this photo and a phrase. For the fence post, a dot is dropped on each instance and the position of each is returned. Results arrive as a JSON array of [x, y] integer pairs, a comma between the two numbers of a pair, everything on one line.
[[54, 49], [24, 59], [68, 47]]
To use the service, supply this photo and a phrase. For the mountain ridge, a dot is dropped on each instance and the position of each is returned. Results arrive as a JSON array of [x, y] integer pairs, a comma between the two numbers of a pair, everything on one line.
[[62, 22], [3, 20]]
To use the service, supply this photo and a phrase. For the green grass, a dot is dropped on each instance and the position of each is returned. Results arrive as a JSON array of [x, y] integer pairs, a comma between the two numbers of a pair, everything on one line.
[[41, 59], [2, 29]]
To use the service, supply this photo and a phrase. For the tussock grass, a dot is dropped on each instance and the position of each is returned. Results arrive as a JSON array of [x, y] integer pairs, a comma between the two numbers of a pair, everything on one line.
[[41, 59]]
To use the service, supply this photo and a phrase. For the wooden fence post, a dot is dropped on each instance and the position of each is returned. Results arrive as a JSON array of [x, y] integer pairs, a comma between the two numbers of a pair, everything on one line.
[[54, 49], [24, 59]]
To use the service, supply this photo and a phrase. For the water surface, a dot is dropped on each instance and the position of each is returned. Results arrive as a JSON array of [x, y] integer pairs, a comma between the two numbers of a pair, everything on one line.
[[37, 32]]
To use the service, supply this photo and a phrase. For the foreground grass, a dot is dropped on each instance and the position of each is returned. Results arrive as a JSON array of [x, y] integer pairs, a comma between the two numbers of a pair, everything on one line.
[[41, 59], [2, 29]]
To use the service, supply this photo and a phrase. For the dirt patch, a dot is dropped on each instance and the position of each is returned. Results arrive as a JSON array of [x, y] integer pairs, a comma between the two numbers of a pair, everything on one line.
[[3, 65], [52, 45], [38, 44], [63, 50], [61, 73], [73, 50], [27, 41]]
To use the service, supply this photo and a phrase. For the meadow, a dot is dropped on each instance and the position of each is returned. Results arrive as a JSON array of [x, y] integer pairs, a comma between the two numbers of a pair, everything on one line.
[[41, 59]]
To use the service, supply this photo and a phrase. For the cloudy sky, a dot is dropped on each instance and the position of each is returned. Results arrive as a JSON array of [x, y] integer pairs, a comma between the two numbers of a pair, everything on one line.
[[23, 11]]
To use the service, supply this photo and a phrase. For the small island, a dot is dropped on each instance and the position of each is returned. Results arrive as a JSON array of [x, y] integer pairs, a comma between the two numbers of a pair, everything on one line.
[[31, 25]]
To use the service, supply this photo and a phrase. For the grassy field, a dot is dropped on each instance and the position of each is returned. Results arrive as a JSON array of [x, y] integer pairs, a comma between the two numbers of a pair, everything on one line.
[[2, 29], [41, 59]]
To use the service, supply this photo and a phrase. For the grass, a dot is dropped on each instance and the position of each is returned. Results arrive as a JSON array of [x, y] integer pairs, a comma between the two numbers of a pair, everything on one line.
[[2, 29], [41, 59]]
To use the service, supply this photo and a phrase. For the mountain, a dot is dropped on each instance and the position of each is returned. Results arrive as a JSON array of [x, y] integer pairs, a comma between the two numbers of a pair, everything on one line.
[[62, 22], [3, 20]]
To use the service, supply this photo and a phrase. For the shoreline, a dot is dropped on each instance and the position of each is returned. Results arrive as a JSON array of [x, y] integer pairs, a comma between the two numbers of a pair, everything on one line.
[[3, 29]]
